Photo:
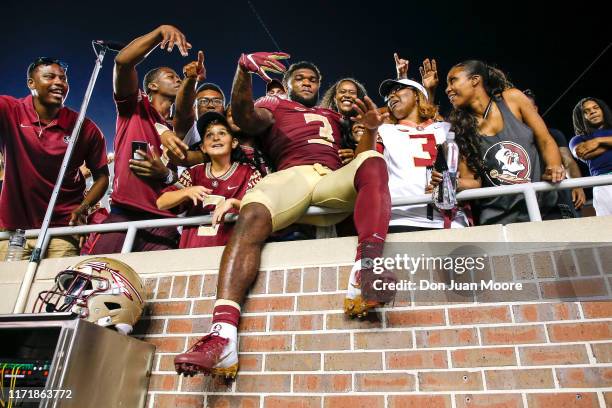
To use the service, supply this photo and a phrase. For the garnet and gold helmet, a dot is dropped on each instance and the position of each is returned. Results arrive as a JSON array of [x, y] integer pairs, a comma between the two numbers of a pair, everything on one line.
[[101, 290]]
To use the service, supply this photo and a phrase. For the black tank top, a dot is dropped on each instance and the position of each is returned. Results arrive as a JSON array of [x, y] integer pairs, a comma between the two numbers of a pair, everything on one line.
[[510, 157]]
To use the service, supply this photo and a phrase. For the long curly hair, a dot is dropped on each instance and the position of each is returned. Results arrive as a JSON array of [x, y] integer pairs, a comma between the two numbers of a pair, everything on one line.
[[464, 123], [329, 98], [581, 125]]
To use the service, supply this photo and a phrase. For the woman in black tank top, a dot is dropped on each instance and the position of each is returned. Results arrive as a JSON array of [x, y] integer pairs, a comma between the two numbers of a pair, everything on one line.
[[502, 137]]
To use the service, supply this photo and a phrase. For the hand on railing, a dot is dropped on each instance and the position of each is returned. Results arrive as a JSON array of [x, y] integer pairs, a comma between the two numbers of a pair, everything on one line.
[[222, 209], [554, 174]]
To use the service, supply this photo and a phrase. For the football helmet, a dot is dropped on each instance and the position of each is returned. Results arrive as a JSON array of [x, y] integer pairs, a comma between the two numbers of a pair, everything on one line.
[[101, 290]]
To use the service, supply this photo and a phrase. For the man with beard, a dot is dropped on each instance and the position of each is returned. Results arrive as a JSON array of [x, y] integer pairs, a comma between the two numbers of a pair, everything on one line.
[[34, 135], [303, 142], [140, 174]]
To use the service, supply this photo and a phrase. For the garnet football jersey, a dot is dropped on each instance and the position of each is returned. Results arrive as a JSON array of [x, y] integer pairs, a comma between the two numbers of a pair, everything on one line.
[[234, 184], [136, 119], [408, 151], [301, 135]]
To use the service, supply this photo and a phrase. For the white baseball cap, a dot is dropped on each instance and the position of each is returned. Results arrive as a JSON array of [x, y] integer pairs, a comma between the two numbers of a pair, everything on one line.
[[388, 84]]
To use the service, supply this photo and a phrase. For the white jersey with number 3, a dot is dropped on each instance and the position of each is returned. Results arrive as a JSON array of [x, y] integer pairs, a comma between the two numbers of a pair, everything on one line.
[[408, 152]]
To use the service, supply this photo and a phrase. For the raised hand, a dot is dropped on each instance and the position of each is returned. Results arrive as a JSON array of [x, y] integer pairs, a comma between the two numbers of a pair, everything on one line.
[[171, 36], [195, 69], [401, 67], [261, 62], [429, 74], [368, 114]]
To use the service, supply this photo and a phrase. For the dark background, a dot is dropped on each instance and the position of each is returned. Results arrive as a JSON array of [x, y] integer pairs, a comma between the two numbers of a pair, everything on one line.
[[542, 47]]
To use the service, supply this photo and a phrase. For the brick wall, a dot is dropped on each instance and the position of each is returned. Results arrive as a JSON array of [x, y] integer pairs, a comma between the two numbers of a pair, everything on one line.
[[549, 347], [298, 350]]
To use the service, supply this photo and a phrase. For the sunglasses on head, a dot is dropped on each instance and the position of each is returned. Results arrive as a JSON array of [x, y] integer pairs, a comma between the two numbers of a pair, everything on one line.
[[48, 61]]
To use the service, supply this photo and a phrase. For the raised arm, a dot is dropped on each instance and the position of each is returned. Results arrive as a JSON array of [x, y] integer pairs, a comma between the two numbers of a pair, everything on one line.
[[185, 98], [125, 78], [250, 119]]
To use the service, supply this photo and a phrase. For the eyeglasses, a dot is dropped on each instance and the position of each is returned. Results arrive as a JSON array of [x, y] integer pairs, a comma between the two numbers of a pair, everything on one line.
[[395, 90], [208, 101], [48, 61]]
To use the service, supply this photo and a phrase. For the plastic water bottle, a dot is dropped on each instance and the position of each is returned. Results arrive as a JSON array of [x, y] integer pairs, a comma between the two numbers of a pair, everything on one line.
[[16, 245], [447, 198]]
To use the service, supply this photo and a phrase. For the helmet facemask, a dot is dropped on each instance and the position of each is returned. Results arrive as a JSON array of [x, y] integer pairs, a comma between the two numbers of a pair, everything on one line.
[[70, 293], [102, 290]]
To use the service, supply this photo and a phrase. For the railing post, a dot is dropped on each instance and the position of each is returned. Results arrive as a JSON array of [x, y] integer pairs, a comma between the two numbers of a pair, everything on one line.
[[128, 243], [326, 232], [532, 203]]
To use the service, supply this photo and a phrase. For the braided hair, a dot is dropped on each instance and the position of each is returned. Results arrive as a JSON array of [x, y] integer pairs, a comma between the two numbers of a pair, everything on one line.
[[581, 125], [464, 123]]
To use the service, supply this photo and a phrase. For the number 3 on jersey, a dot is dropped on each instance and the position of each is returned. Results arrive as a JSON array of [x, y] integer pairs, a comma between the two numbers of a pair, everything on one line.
[[326, 132], [428, 147]]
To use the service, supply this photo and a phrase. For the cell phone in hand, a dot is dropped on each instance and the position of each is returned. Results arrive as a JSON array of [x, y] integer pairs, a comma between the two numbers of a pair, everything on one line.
[[138, 145]]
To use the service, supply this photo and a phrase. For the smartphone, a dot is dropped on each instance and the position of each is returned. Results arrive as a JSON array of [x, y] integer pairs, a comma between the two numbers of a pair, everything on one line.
[[138, 145]]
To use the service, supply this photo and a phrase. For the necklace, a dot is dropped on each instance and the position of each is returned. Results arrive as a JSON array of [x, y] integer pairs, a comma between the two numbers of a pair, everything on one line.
[[40, 128]]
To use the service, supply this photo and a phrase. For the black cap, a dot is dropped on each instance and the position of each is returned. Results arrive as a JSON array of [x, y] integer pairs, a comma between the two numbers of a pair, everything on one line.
[[208, 117]]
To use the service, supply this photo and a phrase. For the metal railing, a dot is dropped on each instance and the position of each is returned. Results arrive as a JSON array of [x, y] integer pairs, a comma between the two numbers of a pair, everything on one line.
[[529, 190]]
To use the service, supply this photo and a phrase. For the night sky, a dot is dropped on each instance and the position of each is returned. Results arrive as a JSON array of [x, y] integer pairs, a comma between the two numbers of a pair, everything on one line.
[[544, 49]]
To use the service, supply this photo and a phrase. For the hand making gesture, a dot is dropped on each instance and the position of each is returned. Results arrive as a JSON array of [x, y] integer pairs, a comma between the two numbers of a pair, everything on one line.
[[171, 36], [429, 74], [368, 114], [261, 62], [195, 69], [401, 67]]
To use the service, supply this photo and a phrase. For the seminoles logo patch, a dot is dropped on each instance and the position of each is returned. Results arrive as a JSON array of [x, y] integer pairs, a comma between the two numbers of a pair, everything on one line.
[[508, 163]]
